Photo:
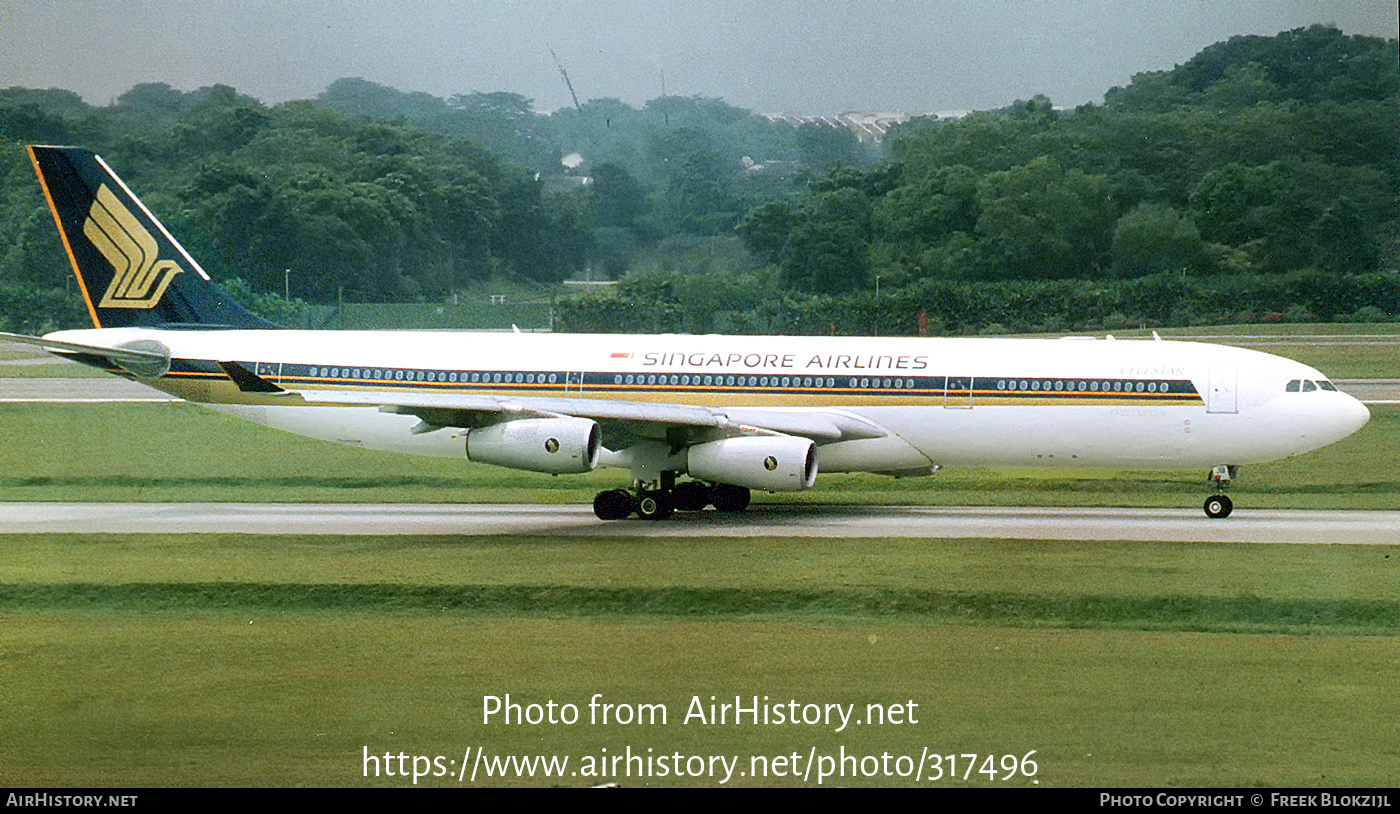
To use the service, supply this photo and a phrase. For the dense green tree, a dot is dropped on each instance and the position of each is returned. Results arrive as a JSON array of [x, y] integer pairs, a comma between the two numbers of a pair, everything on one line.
[[766, 227], [696, 196], [1266, 167], [825, 147], [827, 252], [1233, 202], [1040, 220], [360, 97], [1343, 244], [1154, 92], [47, 117], [152, 105], [618, 200], [1307, 64], [220, 122], [1155, 238], [931, 211]]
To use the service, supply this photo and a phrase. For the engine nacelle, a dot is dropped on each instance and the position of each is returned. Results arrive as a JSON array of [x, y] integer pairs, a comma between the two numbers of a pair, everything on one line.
[[771, 463], [559, 446]]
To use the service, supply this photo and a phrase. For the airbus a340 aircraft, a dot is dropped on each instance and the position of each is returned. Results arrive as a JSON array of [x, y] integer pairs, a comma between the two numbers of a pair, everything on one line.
[[732, 413]]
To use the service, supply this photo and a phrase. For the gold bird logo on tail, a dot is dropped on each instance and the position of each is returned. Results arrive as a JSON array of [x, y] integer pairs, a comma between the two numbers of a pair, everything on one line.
[[140, 277]]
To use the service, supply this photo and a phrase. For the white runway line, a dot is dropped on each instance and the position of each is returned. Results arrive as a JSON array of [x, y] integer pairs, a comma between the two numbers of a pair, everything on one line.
[[78, 391]]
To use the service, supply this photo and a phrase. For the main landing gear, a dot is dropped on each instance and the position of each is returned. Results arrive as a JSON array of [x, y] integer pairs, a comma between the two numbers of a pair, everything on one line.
[[658, 504], [1219, 504]]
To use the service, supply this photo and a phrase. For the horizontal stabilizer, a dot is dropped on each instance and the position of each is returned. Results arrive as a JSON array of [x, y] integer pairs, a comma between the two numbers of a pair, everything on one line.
[[144, 357]]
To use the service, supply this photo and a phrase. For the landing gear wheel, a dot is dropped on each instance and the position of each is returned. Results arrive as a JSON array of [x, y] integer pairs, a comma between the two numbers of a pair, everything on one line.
[[1218, 506], [655, 506], [615, 504], [729, 498], [691, 496]]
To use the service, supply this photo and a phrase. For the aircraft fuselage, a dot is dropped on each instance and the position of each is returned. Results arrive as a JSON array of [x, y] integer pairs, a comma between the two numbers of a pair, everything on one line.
[[1066, 403]]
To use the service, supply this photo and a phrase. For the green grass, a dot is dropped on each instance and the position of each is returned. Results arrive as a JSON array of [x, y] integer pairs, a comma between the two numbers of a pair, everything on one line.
[[264, 698], [181, 452], [1247, 614], [245, 660], [1331, 573], [1339, 350], [1258, 588], [27, 362], [1344, 362], [1300, 329]]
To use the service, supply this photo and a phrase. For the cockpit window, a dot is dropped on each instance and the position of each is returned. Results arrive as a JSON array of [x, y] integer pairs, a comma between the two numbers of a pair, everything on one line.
[[1306, 386]]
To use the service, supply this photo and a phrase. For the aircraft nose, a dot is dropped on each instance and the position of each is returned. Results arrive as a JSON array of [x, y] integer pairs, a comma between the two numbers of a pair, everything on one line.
[[1347, 415], [1355, 414]]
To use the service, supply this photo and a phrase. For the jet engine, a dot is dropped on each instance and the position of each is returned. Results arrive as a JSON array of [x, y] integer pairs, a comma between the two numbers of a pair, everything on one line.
[[559, 446], [771, 463]]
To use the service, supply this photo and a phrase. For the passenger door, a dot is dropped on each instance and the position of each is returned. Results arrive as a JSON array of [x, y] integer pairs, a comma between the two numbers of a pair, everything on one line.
[[1221, 393], [958, 392]]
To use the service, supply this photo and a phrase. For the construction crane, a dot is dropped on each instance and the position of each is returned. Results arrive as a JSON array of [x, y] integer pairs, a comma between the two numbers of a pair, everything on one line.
[[567, 83]]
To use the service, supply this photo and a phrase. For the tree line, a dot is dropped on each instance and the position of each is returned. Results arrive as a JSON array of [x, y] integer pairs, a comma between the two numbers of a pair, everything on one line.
[[1256, 181]]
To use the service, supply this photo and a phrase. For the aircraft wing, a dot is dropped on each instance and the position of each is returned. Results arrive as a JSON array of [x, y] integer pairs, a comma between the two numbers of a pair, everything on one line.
[[620, 419]]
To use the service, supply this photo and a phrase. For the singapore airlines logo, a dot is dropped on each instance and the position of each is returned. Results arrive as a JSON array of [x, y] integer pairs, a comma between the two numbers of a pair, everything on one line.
[[140, 277]]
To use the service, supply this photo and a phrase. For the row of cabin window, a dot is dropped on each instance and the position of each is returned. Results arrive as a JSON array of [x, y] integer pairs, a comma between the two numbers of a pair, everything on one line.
[[1031, 385], [760, 381], [382, 374], [553, 378], [1083, 386]]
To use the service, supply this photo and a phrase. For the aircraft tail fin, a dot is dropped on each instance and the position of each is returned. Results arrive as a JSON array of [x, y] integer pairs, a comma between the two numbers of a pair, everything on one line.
[[131, 270]]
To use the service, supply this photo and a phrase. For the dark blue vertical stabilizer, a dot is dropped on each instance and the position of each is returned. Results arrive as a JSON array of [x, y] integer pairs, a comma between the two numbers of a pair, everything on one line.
[[132, 272]]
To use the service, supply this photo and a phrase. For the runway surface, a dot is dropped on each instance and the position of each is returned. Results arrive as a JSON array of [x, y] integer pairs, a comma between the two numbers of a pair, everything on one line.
[[78, 391], [1170, 525]]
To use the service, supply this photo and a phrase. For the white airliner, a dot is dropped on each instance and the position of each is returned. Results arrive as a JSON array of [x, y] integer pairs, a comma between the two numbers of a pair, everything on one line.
[[733, 414]]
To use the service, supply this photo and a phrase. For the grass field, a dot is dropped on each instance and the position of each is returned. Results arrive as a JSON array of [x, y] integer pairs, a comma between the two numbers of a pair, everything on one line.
[[205, 660], [223, 698], [181, 452], [236, 660], [1340, 351], [26, 362]]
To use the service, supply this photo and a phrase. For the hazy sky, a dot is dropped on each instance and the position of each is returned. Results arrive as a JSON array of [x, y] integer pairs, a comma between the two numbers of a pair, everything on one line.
[[817, 56]]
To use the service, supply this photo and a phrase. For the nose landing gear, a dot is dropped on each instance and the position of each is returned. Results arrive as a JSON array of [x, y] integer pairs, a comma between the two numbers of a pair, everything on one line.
[[1219, 504]]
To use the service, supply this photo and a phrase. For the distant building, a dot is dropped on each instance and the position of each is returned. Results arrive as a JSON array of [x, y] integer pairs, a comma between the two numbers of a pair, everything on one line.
[[867, 126]]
